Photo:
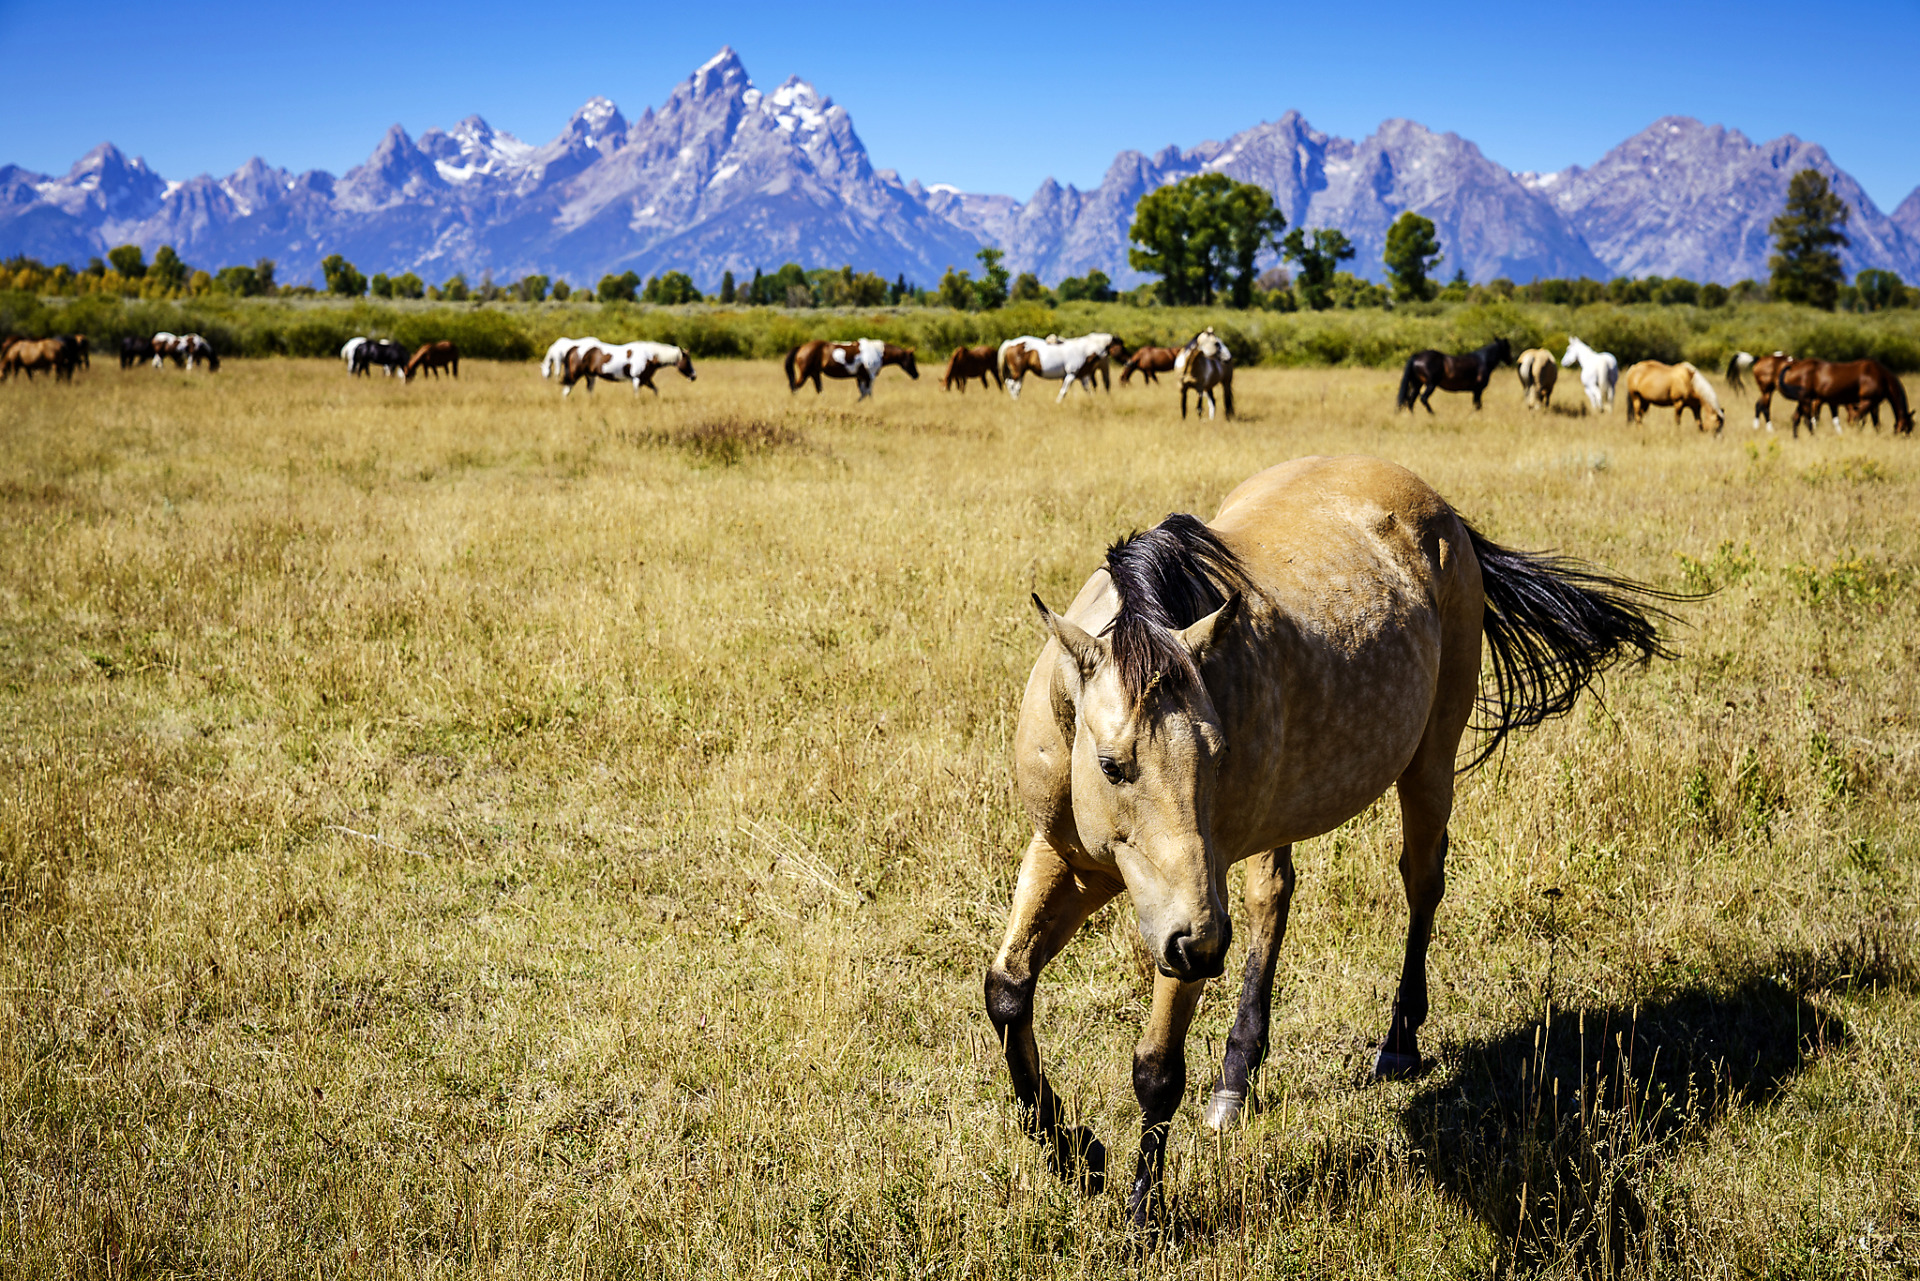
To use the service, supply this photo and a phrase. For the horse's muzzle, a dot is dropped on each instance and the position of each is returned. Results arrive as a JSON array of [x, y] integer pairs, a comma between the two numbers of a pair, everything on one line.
[[1190, 959]]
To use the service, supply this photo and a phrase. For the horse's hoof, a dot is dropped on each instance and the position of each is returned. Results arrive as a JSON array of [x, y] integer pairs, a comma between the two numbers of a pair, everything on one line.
[[1080, 1159], [1224, 1108], [1388, 1066]]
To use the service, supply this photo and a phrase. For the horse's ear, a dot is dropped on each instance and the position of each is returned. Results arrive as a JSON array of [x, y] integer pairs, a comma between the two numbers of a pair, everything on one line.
[[1206, 635], [1085, 650]]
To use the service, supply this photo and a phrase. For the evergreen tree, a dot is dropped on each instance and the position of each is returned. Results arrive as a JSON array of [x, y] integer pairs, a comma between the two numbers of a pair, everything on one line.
[[726, 286], [1412, 251], [1805, 267]]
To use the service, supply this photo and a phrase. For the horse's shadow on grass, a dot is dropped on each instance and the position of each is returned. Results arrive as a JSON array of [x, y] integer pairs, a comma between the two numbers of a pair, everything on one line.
[[1548, 1132]]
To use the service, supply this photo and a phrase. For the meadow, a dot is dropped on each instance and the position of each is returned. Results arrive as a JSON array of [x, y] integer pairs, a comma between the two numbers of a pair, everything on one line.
[[450, 831]]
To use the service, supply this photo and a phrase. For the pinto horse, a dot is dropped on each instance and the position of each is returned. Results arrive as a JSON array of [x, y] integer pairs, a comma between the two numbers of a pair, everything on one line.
[[1069, 360], [1149, 363], [1220, 692], [969, 363], [1472, 372], [633, 362], [384, 352], [1204, 364], [433, 357], [860, 360], [1682, 386]]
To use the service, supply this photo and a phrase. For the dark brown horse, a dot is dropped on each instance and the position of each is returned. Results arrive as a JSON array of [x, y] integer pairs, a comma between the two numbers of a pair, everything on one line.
[[860, 360], [434, 357], [135, 351], [1149, 363], [1858, 386], [969, 363], [1472, 372]]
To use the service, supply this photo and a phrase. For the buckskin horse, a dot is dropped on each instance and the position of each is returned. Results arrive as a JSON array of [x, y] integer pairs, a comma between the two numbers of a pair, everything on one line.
[[1219, 692], [969, 363], [433, 357], [1472, 372], [1149, 363], [861, 360], [1652, 383]]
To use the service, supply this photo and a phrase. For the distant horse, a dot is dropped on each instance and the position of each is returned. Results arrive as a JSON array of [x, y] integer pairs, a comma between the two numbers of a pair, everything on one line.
[[861, 360], [384, 352], [347, 352], [1427, 370], [633, 362], [1204, 364], [433, 357], [1766, 379], [1857, 386], [1149, 363], [1599, 371], [1682, 386], [39, 355], [1538, 372], [1068, 360], [82, 350], [193, 349], [969, 363], [135, 351], [166, 346], [1221, 692]]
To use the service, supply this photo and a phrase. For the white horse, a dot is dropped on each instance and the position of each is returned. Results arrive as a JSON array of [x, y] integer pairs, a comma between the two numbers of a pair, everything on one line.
[[1599, 371], [346, 352], [1067, 360], [556, 358]]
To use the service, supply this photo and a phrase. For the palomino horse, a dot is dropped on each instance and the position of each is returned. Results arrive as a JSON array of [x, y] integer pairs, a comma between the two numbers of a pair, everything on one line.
[[1682, 386], [969, 363], [1068, 360], [1203, 364], [1220, 692], [1538, 372], [861, 360], [433, 357], [1149, 363], [1599, 371], [1857, 386], [1766, 372], [1472, 372]]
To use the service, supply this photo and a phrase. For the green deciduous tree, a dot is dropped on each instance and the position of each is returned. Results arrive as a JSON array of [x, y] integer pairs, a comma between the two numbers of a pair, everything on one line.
[[167, 268], [1413, 251], [128, 261], [1318, 258], [1879, 290], [1805, 235], [991, 290], [532, 288], [1027, 288], [777, 289], [620, 288], [1095, 286], [956, 290], [670, 290], [1201, 236], [408, 285], [342, 277], [562, 291]]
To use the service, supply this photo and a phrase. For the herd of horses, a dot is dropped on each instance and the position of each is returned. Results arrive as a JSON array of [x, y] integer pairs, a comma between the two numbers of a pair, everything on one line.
[[1856, 388], [361, 355]]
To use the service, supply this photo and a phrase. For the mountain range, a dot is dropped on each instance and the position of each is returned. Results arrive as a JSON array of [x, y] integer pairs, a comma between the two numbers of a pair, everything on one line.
[[725, 176]]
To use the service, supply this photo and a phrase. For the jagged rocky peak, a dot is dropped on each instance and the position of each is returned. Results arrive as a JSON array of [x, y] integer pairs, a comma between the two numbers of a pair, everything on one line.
[[597, 121], [472, 147], [722, 74]]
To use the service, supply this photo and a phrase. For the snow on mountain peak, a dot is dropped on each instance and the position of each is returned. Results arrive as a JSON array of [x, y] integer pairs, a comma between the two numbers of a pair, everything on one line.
[[796, 106]]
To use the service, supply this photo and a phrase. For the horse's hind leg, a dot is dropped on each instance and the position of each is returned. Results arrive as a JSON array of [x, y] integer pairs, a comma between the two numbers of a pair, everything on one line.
[[1269, 892], [1159, 1083], [1051, 902], [1426, 395]]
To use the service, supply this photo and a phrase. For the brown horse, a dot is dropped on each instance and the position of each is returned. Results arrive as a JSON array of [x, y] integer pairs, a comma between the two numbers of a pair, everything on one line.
[[1858, 386], [860, 360], [1218, 693], [42, 355], [1682, 386], [433, 357], [969, 363], [1427, 370], [1149, 363], [1767, 371]]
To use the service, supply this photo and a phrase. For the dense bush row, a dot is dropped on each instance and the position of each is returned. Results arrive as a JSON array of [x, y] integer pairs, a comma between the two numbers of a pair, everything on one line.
[[521, 331]]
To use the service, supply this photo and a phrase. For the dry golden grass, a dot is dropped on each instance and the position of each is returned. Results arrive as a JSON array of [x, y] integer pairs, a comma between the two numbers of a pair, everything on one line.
[[445, 831]]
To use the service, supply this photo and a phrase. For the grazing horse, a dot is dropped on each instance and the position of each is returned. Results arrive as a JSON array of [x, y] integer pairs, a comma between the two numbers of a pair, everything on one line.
[[192, 349], [384, 352], [39, 355], [1858, 386], [1149, 363], [1766, 372], [860, 360], [1472, 372], [1538, 372], [136, 351], [1682, 386], [1069, 360], [433, 357], [1599, 371], [166, 346], [969, 363], [1219, 692], [1203, 364]]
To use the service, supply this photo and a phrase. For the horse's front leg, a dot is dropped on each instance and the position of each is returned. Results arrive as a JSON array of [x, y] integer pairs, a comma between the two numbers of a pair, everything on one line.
[[1269, 892], [1159, 1083], [1051, 902]]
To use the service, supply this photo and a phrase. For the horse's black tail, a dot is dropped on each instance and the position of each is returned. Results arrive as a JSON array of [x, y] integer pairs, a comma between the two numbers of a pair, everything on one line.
[[1405, 399], [1897, 394], [1739, 363], [1552, 625], [792, 385]]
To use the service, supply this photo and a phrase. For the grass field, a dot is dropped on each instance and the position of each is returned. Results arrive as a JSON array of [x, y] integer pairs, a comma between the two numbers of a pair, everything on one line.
[[447, 832]]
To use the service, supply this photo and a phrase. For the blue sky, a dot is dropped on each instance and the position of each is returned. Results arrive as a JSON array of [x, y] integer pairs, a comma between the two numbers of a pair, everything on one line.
[[989, 97]]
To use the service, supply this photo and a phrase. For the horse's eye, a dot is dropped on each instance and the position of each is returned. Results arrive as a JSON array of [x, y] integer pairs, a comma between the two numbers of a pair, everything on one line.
[[1111, 768]]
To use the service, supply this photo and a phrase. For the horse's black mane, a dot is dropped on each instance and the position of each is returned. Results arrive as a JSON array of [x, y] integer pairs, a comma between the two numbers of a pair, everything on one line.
[[1168, 578]]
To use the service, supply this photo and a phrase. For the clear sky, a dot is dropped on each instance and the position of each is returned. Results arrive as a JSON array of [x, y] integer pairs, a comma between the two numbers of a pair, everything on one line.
[[986, 96]]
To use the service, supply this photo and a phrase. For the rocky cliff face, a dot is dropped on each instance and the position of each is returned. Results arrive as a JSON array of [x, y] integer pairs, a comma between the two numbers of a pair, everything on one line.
[[727, 176]]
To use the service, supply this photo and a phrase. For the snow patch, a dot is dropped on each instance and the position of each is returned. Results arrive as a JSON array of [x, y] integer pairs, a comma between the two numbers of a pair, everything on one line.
[[171, 188], [945, 187], [726, 52], [723, 173]]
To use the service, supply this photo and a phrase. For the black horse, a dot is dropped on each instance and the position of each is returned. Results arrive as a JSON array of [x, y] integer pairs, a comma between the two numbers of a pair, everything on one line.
[[386, 353], [135, 352], [1427, 370]]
